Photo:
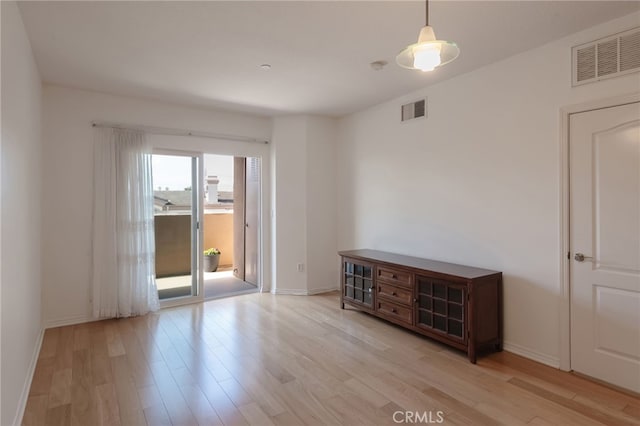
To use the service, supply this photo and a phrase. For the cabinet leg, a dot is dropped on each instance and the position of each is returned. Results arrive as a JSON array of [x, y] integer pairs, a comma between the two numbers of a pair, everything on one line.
[[472, 355], [498, 347], [342, 305]]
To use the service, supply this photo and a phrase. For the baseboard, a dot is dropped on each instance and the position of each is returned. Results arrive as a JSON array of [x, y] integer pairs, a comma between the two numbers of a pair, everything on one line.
[[24, 396], [551, 361], [302, 292], [77, 319], [322, 290], [290, 292]]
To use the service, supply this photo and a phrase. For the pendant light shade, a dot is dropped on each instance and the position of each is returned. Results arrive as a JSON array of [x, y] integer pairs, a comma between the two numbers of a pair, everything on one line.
[[428, 53]]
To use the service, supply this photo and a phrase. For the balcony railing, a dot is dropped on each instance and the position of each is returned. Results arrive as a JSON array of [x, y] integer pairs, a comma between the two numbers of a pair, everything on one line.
[[173, 241]]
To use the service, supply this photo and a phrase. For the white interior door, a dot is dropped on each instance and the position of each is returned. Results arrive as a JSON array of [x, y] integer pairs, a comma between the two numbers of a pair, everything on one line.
[[604, 149]]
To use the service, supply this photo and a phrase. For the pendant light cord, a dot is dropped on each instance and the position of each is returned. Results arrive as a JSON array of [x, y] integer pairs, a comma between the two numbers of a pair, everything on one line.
[[426, 12]]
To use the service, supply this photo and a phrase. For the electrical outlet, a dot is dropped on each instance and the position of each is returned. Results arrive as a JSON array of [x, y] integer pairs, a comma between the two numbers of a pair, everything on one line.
[[300, 267]]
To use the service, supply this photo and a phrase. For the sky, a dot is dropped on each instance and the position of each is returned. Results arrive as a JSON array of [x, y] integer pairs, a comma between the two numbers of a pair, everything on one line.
[[174, 172]]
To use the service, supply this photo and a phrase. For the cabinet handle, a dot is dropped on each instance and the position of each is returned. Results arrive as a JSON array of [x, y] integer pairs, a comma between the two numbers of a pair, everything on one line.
[[393, 293], [394, 310], [394, 276], [415, 300]]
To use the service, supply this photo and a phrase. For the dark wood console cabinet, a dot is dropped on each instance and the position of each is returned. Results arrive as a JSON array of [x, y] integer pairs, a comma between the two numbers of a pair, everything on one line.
[[455, 304]]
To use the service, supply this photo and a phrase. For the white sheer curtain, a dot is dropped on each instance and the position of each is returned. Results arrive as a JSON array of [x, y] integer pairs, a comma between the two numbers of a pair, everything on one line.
[[123, 234]]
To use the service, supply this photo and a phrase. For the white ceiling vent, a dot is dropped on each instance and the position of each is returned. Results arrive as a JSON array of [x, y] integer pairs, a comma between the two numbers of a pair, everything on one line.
[[611, 56], [413, 110]]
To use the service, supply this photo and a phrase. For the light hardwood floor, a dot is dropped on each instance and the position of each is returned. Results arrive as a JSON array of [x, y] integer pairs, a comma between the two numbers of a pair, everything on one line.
[[261, 359]]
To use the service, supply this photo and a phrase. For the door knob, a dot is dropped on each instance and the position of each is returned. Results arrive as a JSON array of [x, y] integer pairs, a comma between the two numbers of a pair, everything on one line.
[[581, 257]]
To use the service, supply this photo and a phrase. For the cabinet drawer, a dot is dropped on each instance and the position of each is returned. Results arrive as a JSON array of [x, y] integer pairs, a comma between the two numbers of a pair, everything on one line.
[[398, 312], [401, 296], [394, 276]]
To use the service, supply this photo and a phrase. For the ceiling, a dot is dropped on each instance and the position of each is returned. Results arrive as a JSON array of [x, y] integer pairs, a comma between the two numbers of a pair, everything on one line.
[[209, 53]]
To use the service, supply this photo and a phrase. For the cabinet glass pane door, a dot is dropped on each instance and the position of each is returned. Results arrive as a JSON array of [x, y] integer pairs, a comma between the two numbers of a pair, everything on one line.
[[358, 283], [441, 307]]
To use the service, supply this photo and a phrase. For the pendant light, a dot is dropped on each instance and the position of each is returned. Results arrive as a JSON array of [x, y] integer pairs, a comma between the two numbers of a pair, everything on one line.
[[428, 53]]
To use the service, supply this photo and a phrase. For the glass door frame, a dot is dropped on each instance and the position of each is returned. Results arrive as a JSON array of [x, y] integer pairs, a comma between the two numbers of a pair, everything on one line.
[[197, 209]]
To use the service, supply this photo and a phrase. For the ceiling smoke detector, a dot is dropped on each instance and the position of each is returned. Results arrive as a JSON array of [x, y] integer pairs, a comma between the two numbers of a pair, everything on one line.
[[378, 65]]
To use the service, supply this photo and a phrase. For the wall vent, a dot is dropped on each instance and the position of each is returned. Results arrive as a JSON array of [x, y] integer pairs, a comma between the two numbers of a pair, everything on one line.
[[607, 57], [413, 110]]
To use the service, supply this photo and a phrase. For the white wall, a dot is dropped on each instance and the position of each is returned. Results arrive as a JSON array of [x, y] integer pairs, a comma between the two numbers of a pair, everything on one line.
[[0, 227], [21, 215], [289, 151], [68, 171], [305, 212], [478, 182], [322, 257]]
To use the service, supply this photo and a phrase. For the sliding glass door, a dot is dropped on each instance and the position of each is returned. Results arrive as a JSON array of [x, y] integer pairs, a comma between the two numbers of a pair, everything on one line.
[[177, 202]]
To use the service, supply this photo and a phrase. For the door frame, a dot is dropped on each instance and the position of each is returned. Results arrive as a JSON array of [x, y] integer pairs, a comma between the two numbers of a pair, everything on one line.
[[565, 213], [220, 146]]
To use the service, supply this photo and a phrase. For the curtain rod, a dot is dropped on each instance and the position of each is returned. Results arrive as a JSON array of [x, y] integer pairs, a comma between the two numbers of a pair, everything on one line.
[[177, 132]]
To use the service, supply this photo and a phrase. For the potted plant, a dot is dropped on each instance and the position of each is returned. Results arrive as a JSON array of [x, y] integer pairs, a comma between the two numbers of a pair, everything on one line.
[[211, 259]]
